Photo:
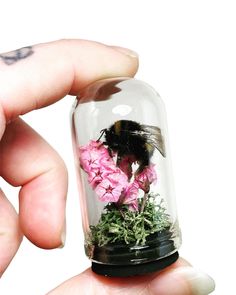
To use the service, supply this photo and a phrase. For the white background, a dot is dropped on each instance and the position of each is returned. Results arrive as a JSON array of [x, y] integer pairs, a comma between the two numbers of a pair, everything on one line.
[[188, 53]]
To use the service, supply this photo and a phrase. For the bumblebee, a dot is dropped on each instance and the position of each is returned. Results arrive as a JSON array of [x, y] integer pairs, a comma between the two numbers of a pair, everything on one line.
[[133, 142]]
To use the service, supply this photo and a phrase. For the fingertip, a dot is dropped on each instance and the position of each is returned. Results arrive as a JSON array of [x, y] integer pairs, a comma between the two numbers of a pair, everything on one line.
[[99, 61], [133, 59], [183, 280], [42, 209], [126, 51]]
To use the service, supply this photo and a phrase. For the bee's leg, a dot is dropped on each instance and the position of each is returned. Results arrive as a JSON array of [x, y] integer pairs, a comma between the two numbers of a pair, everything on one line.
[[110, 151], [125, 164], [119, 159], [142, 165], [102, 132]]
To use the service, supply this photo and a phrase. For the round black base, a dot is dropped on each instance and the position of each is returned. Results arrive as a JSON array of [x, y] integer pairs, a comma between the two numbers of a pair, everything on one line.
[[135, 269]]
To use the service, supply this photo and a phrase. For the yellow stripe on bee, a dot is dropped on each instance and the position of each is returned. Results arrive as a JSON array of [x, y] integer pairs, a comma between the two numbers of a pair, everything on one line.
[[117, 127], [149, 147]]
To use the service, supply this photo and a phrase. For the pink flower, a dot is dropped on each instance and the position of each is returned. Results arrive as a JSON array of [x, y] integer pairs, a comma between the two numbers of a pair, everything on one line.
[[95, 176], [146, 177], [91, 154], [112, 185], [107, 191], [118, 178], [89, 160], [94, 145], [131, 196], [134, 206], [107, 164]]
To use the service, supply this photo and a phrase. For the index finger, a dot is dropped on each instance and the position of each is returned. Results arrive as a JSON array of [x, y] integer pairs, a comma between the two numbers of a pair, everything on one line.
[[31, 78], [36, 76]]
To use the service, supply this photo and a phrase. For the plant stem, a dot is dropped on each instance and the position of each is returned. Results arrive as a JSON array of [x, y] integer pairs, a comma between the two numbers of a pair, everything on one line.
[[122, 213], [144, 202], [120, 210]]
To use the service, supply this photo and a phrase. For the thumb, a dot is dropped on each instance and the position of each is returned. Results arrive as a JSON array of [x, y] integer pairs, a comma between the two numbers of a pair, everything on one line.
[[178, 279]]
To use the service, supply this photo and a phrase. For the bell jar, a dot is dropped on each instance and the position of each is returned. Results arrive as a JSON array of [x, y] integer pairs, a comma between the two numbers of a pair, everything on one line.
[[125, 181]]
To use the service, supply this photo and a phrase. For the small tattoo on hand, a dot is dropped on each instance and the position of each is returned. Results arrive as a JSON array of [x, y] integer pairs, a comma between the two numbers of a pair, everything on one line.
[[16, 55]]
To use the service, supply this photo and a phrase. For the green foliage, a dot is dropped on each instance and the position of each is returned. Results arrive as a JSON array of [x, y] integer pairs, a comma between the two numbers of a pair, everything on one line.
[[121, 225]]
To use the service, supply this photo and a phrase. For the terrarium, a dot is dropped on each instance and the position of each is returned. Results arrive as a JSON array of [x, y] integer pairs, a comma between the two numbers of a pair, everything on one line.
[[124, 177]]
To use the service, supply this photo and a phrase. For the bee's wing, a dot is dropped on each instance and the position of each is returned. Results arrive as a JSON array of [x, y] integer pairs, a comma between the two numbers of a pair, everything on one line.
[[153, 136]]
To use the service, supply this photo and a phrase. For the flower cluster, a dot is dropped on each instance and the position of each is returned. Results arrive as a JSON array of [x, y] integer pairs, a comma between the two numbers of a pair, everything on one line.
[[111, 183], [106, 179]]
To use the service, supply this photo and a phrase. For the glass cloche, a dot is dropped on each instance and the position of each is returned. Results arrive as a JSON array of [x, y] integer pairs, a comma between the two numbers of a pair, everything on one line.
[[124, 177]]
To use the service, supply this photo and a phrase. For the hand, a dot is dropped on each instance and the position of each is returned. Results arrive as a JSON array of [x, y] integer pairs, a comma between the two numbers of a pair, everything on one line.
[[34, 77]]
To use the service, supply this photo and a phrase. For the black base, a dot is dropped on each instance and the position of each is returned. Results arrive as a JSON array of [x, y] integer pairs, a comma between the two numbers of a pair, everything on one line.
[[134, 269], [157, 245]]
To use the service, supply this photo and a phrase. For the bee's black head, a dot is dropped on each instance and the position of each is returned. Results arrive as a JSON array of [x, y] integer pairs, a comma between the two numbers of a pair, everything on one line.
[[112, 139], [119, 136]]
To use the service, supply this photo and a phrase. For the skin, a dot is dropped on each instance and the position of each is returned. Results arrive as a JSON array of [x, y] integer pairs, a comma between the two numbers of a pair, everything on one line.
[[28, 161]]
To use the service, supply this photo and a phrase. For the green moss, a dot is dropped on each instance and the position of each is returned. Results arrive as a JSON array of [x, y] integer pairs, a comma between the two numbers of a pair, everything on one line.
[[121, 225]]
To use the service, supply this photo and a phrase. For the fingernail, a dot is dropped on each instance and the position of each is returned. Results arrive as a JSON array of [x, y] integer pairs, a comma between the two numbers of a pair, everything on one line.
[[199, 282], [182, 281], [126, 51], [63, 236]]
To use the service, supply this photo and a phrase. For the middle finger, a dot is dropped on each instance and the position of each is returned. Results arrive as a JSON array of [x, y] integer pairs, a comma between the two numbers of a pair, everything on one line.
[[28, 161]]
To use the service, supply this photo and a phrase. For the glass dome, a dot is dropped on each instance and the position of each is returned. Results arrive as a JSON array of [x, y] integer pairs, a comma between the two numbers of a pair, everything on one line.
[[124, 177]]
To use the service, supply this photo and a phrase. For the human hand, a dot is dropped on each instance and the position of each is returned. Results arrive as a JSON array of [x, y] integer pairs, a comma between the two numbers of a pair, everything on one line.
[[34, 77], [178, 279]]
